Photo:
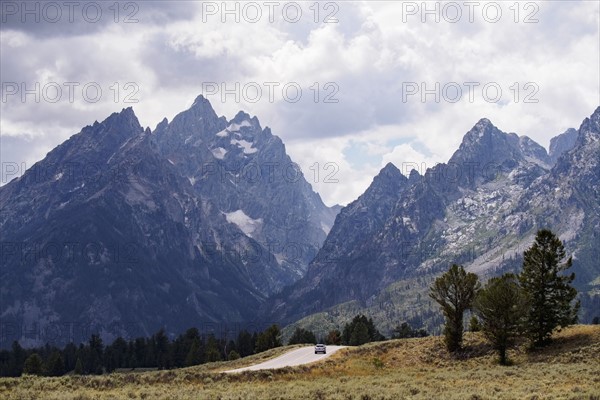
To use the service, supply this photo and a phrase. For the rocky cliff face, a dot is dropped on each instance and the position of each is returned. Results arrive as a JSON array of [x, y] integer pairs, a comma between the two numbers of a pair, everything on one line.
[[481, 209], [562, 144], [123, 231], [245, 171]]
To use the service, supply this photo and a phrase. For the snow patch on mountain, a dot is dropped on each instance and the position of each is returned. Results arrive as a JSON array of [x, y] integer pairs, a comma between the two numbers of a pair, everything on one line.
[[245, 145], [245, 223], [219, 152], [233, 127]]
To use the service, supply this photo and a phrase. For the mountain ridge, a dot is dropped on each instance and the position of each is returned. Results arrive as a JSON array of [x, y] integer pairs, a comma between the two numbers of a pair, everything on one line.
[[110, 231], [481, 209]]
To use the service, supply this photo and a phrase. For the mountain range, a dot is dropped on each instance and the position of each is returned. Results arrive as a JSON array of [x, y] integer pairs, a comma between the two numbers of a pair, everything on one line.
[[482, 209], [207, 222], [122, 231]]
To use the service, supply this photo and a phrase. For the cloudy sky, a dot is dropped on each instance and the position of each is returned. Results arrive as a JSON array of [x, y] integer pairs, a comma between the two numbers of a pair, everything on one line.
[[348, 86]]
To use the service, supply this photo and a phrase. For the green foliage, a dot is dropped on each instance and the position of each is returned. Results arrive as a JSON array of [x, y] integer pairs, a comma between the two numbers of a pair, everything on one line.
[[360, 331], [246, 343], [302, 335], [404, 330], [78, 367], [194, 356], [474, 325], [502, 306], [377, 363], [156, 351], [233, 355], [94, 355], [334, 337], [454, 291], [55, 365], [359, 335], [551, 293], [212, 350], [33, 365], [160, 346], [268, 339]]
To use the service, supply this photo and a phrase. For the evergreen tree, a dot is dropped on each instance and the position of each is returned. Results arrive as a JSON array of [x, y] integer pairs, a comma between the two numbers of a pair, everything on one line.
[[161, 349], [212, 350], [55, 365], [454, 291], [501, 306], [302, 335], [194, 356], [140, 351], [268, 339], [359, 335], [33, 365], [245, 344], [403, 330], [233, 355], [78, 367], [353, 333], [96, 352], [334, 337], [70, 356], [550, 293], [474, 325], [115, 355], [17, 359]]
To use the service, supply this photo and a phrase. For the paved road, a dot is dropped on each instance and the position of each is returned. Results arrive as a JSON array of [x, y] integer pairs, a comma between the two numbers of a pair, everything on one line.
[[304, 355]]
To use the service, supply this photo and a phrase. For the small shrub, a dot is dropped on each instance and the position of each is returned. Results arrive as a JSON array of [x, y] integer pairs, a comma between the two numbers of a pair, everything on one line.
[[377, 363], [233, 355]]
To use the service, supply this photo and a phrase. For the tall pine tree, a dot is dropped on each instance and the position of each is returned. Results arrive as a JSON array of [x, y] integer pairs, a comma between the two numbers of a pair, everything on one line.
[[454, 291], [550, 292], [501, 306]]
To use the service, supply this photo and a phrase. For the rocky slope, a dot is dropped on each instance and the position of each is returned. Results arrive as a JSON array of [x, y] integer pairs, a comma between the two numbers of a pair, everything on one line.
[[123, 231], [481, 209]]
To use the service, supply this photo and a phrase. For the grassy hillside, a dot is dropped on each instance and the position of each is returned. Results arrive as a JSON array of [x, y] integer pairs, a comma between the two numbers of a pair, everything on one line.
[[398, 369]]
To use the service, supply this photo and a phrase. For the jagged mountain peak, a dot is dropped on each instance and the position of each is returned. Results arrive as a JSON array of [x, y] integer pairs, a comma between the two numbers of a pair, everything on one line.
[[243, 119], [484, 123], [562, 143], [414, 176], [533, 151], [162, 124], [202, 106], [480, 213], [241, 116], [201, 101], [486, 147], [216, 220], [483, 137], [388, 182], [390, 174], [481, 129], [589, 132], [126, 117], [390, 169]]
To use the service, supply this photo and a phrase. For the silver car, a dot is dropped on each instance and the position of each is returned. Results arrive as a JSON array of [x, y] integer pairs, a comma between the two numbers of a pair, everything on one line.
[[320, 348]]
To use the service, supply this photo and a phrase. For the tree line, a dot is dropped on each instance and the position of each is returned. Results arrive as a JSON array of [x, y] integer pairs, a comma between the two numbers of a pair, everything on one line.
[[188, 349], [157, 351], [530, 305]]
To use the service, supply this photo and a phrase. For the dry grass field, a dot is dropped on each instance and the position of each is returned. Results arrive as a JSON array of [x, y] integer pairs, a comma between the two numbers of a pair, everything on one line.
[[397, 369]]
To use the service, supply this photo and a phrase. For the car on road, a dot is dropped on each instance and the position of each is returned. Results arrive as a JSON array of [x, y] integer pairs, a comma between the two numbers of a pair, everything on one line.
[[320, 348]]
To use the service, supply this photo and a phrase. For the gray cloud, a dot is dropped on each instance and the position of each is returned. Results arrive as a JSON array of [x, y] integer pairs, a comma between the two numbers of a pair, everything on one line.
[[371, 53], [46, 19]]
